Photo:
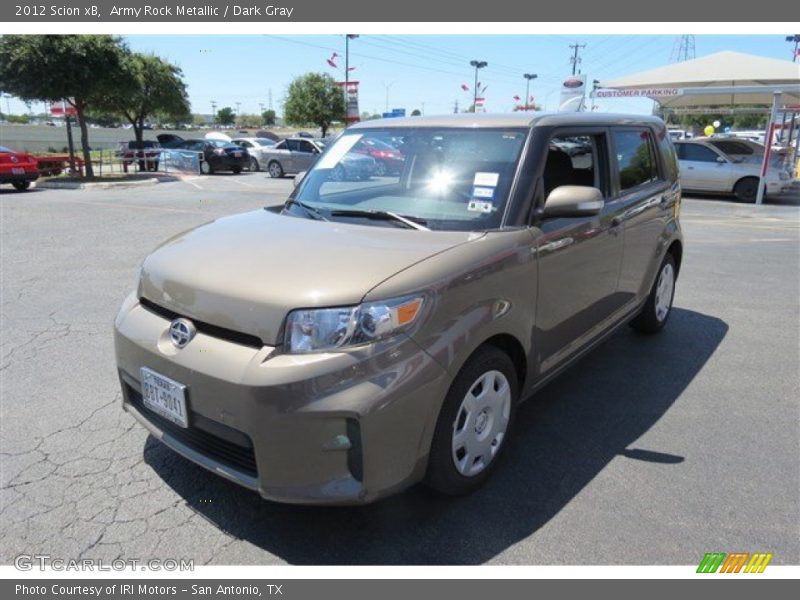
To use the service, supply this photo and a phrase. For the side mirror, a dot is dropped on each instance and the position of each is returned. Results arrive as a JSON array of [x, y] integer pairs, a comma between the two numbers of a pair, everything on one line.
[[299, 177], [573, 201]]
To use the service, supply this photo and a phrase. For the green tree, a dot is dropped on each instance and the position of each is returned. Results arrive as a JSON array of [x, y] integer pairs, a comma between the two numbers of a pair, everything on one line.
[[147, 87], [80, 69], [416, 113], [314, 98], [226, 116], [268, 117]]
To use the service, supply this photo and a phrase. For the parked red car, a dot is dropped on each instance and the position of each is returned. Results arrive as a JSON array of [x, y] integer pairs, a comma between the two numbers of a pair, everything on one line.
[[388, 160], [17, 168]]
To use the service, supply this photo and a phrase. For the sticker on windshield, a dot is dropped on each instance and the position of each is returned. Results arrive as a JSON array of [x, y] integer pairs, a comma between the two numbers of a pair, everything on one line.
[[486, 179], [483, 192], [481, 206], [332, 157]]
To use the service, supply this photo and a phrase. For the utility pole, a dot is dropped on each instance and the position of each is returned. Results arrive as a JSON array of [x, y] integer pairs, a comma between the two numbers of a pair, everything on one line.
[[528, 78], [576, 47], [455, 107], [796, 39], [478, 64], [213, 112]]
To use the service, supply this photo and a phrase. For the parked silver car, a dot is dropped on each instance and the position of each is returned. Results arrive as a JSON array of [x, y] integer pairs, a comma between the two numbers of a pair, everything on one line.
[[706, 168], [374, 333], [292, 155]]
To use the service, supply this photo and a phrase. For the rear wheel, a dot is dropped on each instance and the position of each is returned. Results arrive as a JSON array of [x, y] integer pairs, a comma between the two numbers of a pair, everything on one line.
[[746, 189], [205, 167], [380, 169], [658, 306], [275, 169], [474, 422], [21, 186], [254, 166]]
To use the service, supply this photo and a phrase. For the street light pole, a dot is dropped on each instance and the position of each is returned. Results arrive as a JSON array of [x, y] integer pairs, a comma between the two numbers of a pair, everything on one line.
[[528, 77], [387, 86], [478, 64]]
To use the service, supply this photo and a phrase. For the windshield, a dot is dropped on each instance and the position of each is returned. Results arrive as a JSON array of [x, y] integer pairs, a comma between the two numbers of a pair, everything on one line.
[[446, 179]]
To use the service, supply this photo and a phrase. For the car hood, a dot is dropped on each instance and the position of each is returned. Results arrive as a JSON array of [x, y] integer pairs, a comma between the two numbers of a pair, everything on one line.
[[247, 271]]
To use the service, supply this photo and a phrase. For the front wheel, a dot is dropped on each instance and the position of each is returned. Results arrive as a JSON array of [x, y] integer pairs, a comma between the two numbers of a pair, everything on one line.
[[474, 423], [21, 186], [658, 305], [205, 167], [275, 169]]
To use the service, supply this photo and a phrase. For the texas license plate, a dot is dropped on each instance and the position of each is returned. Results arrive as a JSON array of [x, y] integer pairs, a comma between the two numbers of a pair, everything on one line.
[[17, 171], [165, 397]]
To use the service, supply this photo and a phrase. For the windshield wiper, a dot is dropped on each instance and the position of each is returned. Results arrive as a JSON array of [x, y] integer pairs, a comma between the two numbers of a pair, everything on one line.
[[386, 215], [308, 209]]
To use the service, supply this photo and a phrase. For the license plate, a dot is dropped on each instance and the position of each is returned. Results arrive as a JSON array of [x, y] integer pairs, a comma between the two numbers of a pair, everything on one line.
[[165, 397], [18, 171], [237, 154]]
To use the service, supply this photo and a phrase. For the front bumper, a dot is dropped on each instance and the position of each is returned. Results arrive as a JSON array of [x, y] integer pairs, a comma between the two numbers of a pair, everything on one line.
[[337, 428]]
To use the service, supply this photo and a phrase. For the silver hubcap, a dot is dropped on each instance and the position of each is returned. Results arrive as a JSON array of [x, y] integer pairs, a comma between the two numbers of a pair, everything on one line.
[[664, 288], [481, 423], [274, 170]]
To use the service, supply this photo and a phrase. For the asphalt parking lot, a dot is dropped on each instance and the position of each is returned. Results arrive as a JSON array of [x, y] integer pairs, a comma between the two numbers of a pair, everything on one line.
[[652, 450]]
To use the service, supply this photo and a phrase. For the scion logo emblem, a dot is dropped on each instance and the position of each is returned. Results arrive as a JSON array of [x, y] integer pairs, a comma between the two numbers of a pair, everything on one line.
[[181, 332]]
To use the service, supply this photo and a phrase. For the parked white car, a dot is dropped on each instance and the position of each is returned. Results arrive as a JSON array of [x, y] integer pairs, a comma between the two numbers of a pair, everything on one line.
[[258, 148], [706, 168]]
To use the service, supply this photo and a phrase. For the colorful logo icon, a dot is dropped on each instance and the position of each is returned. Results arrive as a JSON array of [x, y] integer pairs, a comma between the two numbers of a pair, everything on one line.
[[736, 562]]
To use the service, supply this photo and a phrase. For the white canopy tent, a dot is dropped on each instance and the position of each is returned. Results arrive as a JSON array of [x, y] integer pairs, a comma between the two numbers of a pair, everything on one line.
[[724, 79]]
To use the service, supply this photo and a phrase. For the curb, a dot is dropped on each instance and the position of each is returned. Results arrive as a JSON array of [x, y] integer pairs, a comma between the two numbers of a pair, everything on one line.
[[94, 185]]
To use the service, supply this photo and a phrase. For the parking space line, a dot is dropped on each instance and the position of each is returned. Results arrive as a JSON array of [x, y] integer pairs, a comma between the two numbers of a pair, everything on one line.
[[244, 183], [133, 206], [190, 182]]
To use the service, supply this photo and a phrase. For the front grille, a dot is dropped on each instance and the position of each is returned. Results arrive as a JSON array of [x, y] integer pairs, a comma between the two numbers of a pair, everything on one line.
[[237, 337], [235, 456]]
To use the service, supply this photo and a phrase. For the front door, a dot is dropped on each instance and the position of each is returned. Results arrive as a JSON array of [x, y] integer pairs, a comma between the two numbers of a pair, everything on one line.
[[579, 258]]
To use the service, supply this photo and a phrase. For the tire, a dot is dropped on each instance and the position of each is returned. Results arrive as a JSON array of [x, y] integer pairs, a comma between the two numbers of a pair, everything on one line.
[[21, 186], [275, 169], [206, 168], [746, 189], [658, 306], [380, 169], [254, 166], [236, 170], [452, 468]]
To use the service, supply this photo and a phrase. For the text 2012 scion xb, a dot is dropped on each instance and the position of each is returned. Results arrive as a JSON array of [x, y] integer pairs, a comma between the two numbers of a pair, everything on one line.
[[379, 330]]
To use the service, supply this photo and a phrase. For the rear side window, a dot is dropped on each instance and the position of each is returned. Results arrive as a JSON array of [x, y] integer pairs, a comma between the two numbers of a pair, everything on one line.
[[635, 157], [667, 149]]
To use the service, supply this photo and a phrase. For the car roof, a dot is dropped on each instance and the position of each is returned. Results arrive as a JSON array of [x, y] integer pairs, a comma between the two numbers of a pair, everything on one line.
[[520, 119]]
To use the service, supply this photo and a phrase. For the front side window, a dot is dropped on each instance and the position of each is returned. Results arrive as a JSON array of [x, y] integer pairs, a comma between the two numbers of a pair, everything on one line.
[[698, 153], [441, 178], [635, 157], [574, 160]]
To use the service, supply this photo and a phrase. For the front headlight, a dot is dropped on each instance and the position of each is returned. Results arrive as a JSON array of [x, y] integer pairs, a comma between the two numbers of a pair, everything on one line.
[[326, 329]]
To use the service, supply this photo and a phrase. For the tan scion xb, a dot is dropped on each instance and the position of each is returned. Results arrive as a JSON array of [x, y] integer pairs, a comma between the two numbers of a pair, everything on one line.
[[380, 327]]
